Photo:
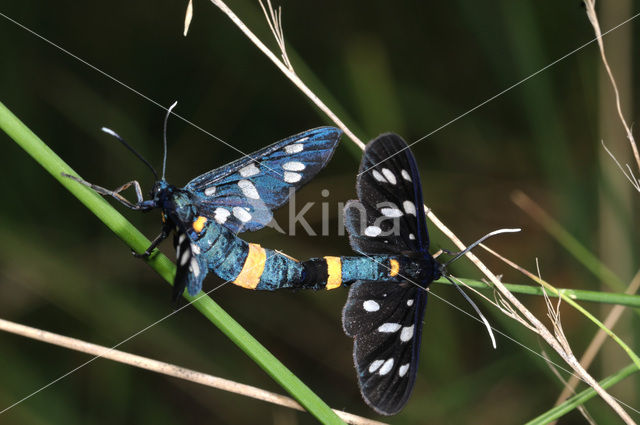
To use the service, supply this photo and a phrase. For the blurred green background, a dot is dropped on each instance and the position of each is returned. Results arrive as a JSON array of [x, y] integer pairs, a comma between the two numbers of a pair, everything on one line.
[[407, 67]]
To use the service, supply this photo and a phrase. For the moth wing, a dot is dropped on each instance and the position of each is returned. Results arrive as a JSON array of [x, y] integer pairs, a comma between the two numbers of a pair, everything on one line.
[[242, 194], [388, 217], [191, 266], [385, 321]]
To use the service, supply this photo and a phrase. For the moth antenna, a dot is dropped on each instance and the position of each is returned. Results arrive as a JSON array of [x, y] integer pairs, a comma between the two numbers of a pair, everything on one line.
[[166, 119], [140, 157], [478, 242], [475, 307]]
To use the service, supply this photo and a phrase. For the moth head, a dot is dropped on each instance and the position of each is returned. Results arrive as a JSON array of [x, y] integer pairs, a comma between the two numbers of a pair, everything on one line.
[[161, 190]]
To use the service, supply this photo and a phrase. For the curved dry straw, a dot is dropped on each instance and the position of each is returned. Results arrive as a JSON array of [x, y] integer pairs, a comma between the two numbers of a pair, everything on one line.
[[168, 369]]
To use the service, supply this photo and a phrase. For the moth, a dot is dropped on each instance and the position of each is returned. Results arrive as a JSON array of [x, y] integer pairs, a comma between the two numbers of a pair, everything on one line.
[[388, 282], [385, 318], [206, 214]]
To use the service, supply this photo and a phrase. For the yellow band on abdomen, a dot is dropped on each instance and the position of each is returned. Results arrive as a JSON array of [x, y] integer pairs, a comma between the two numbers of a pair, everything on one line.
[[334, 271], [253, 268]]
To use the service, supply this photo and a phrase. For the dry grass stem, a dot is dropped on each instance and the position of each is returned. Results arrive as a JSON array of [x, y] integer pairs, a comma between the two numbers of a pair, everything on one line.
[[289, 73], [509, 311], [593, 19], [540, 329], [167, 369], [537, 326], [597, 341], [275, 23], [187, 17], [567, 355], [628, 173], [558, 375]]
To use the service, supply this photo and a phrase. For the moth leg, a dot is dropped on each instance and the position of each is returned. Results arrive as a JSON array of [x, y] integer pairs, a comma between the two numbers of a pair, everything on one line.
[[166, 230], [115, 193]]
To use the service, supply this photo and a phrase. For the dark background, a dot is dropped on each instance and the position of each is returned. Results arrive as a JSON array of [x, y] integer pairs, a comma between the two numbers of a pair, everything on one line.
[[407, 67]]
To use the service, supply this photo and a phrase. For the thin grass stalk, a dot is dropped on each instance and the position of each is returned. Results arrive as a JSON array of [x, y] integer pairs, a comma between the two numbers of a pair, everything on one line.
[[167, 369], [536, 325], [616, 232], [288, 71], [615, 298], [590, 6], [633, 356], [597, 342], [582, 397], [115, 221]]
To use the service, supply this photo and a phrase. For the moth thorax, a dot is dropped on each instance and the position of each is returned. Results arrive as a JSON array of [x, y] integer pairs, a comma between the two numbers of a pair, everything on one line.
[[423, 270], [183, 207]]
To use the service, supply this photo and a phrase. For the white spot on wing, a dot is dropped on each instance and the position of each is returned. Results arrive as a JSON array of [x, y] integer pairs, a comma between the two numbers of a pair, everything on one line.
[[389, 175], [405, 175], [406, 334], [386, 367], [248, 189], [409, 207], [210, 191], [241, 214], [295, 148], [391, 212], [181, 238], [184, 258], [371, 305], [372, 231], [375, 365], [195, 268], [221, 215], [379, 177], [409, 303], [290, 177], [412, 236], [389, 327], [293, 166], [402, 370], [249, 170], [195, 249]]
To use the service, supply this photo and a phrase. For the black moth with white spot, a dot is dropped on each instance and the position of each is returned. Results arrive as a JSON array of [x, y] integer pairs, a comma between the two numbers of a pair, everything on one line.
[[385, 318]]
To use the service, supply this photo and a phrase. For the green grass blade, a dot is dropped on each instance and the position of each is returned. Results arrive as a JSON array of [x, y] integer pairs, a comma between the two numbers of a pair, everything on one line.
[[35, 147], [552, 290], [582, 397], [574, 294]]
